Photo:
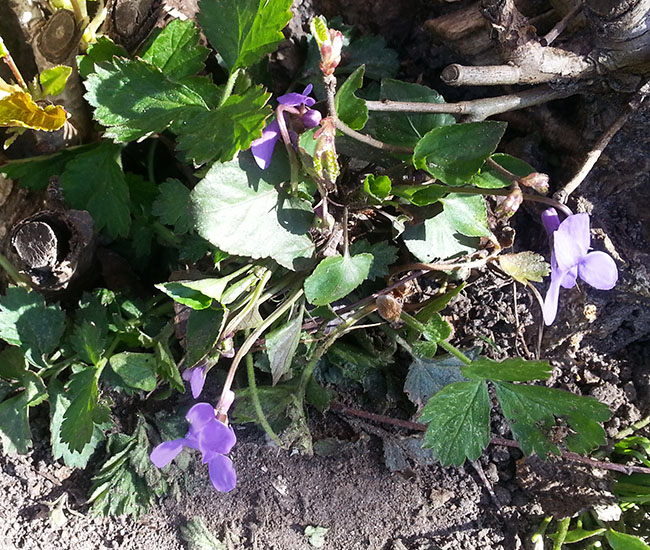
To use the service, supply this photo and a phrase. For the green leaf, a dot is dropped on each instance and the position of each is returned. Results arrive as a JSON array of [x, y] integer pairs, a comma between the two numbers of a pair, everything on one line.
[[176, 50], [204, 135], [622, 541], [195, 294], [316, 536], [12, 364], [243, 31], [58, 405], [53, 80], [489, 178], [578, 534], [203, 330], [102, 50], [171, 206], [78, 425], [467, 214], [407, 128], [371, 51], [453, 154], [238, 194], [377, 187], [458, 419], [28, 322], [531, 412], [281, 346], [383, 256], [335, 277], [438, 304], [137, 370], [426, 377], [421, 195], [349, 108], [106, 195], [508, 370], [525, 266], [446, 234], [90, 333], [165, 365], [132, 98], [198, 537], [436, 329], [15, 433]]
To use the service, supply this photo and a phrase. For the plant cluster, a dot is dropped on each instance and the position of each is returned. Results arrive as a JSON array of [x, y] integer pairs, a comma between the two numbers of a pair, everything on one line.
[[285, 239]]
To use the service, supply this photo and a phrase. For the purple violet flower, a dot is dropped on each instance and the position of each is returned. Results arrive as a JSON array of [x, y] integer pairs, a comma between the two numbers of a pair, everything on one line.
[[210, 436], [196, 377], [570, 259], [262, 148]]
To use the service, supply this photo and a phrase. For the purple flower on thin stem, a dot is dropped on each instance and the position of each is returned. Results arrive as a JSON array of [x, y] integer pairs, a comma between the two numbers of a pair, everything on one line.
[[210, 436], [196, 377], [295, 104], [570, 259]]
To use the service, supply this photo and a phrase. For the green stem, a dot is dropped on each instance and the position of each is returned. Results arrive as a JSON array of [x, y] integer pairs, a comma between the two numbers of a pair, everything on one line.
[[252, 338], [633, 428], [18, 277], [227, 91], [561, 533], [255, 398], [538, 536], [413, 323]]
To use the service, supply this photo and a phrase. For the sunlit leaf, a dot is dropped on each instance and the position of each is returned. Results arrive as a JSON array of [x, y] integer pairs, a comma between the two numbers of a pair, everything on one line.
[[19, 110]]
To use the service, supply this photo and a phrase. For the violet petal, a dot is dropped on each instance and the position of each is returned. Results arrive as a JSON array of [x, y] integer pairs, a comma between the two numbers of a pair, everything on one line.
[[222, 473], [167, 451], [262, 148], [295, 99], [552, 296], [216, 437], [569, 278], [571, 240], [311, 118], [598, 269], [550, 220], [199, 415], [197, 380]]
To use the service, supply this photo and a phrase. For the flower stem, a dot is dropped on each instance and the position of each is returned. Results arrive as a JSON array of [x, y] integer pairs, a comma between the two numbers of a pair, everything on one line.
[[12, 65], [230, 85], [252, 338], [255, 398]]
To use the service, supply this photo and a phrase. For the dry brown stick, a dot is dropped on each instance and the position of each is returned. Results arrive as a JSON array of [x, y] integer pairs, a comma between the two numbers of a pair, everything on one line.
[[592, 157], [561, 26], [416, 426], [477, 109]]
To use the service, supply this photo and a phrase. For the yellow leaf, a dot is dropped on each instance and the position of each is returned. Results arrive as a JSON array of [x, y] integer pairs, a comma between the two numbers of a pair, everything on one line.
[[19, 110]]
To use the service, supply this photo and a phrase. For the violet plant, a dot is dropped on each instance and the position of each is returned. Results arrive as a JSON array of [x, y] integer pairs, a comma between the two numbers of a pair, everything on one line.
[[270, 285]]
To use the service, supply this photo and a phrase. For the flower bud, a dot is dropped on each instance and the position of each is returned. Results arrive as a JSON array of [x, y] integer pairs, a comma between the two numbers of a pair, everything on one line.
[[325, 160], [330, 44], [536, 181], [389, 308], [511, 203]]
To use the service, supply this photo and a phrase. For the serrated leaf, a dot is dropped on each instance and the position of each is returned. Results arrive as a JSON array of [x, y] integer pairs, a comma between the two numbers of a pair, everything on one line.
[[58, 405], [383, 253], [238, 209], [203, 330], [490, 178], [137, 370], [335, 277], [426, 377], [12, 363], [78, 424], [458, 419], [623, 541], [525, 266], [371, 51], [53, 80], [198, 537], [171, 206], [407, 128], [102, 50], [508, 370], [447, 234], [349, 108], [28, 322], [281, 345], [531, 412], [453, 154], [176, 50], [106, 195], [88, 341], [242, 31], [18, 110], [204, 135], [15, 433], [133, 98]]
